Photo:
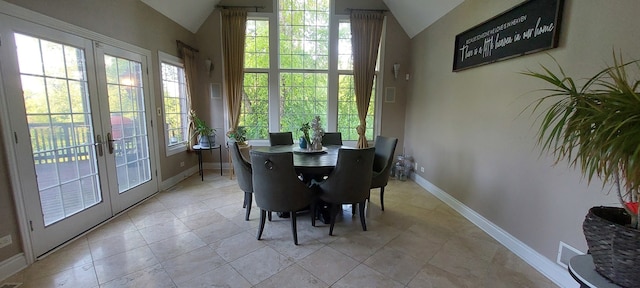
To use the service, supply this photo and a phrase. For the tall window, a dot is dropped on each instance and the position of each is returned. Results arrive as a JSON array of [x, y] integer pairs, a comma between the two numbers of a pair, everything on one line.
[[306, 82], [174, 98], [254, 115], [304, 61]]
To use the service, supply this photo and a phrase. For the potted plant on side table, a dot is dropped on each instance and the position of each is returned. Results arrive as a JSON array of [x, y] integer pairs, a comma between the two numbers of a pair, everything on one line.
[[596, 127], [239, 135], [206, 134]]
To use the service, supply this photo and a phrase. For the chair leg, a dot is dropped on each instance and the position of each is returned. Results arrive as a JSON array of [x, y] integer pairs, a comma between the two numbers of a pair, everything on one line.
[[244, 204], [362, 220], [294, 228], [248, 198], [353, 208], [382, 197], [334, 213], [313, 213], [263, 214], [269, 216]]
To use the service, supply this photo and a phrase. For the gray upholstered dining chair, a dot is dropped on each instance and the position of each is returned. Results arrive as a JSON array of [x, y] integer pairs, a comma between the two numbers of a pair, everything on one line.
[[280, 138], [382, 162], [348, 183], [243, 175], [332, 138], [277, 188]]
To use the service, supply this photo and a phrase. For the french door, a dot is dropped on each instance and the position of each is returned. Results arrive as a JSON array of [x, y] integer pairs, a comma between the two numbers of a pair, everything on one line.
[[79, 111]]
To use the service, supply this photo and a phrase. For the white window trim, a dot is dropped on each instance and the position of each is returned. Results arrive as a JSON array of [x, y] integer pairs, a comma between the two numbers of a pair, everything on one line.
[[333, 74], [173, 60]]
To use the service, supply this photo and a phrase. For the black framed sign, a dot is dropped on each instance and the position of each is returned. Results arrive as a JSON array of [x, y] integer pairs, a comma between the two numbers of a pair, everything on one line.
[[524, 29]]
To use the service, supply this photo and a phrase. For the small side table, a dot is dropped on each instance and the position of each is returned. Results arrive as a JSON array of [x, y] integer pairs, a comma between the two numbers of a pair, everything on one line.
[[199, 150], [582, 270]]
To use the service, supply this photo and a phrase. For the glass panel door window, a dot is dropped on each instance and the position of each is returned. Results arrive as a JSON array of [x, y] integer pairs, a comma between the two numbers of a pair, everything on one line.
[[128, 139], [55, 91], [69, 177]]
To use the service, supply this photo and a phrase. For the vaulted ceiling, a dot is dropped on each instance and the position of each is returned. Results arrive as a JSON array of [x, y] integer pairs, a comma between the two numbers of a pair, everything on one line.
[[413, 15]]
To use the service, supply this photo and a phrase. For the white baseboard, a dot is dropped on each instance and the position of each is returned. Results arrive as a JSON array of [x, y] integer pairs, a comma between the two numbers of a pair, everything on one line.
[[12, 266], [166, 184], [548, 268]]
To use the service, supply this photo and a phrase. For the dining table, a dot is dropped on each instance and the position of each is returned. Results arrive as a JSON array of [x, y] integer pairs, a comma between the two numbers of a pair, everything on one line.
[[311, 165]]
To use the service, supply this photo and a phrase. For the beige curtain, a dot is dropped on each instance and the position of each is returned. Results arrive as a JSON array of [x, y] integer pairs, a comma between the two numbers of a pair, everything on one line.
[[366, 30], [189, 56], [234, 22]]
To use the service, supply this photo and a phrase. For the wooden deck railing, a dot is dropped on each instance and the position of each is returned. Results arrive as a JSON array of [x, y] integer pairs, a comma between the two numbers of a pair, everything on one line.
[[60, 142]]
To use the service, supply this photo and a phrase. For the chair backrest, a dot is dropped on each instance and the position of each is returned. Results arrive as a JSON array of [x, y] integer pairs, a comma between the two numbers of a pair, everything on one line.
[[276, 186], [280, 138], [331, 138], [350, 181], [382, 162], [241, 167]]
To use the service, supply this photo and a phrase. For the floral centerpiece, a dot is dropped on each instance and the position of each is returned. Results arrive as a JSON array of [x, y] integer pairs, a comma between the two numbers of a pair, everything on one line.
[[318, 132], [315, 142]]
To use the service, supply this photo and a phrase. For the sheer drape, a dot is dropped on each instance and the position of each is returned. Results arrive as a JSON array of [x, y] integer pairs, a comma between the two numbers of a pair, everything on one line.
[[366, 30], [191, 73], [234, 22]]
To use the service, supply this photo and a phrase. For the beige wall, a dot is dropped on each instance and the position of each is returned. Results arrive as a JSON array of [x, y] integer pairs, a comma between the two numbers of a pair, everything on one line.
[[466, 129]]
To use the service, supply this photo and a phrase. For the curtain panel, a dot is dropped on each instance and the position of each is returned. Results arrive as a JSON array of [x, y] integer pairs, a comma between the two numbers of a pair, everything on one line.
[[366, 31], [234, 22], [191, 74]]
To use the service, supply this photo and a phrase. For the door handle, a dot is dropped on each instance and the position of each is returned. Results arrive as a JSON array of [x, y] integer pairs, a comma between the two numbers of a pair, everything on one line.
[[98, 144], [110, 140]]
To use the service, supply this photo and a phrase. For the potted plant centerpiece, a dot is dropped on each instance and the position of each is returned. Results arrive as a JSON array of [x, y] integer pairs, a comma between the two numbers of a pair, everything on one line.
[[596, 127], [305, 141], [206, 134], [313, 143], [239, 135]]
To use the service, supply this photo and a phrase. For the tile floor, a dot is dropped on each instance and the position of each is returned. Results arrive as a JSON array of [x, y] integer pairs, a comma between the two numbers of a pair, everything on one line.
[[194, 235]]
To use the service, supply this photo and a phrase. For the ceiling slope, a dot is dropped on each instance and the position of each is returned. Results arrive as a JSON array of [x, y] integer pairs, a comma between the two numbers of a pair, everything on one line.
[[413, 15], [190, 14], [416, 15]]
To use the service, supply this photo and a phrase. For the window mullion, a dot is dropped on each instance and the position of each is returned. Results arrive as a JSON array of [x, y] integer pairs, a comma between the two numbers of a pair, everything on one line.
[[332, 105], [274, 77]]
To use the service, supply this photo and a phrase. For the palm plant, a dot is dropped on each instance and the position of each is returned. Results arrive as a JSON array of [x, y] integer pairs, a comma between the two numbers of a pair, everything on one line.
[[595, 127]]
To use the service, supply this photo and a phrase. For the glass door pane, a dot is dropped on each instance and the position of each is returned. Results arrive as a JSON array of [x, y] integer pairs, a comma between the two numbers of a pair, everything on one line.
[[129, 136], [55, 91]]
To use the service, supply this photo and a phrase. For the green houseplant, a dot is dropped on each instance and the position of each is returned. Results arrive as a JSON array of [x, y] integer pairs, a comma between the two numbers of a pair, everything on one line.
[[239, 135], [206, 134], [596, 127], [305, 140]]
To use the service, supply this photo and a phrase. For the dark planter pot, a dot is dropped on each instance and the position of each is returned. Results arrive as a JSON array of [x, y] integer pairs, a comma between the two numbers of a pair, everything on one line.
[[614, 246]]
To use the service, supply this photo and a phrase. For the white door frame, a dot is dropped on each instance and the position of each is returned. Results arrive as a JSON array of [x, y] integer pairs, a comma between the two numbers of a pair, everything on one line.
[[8, 135]]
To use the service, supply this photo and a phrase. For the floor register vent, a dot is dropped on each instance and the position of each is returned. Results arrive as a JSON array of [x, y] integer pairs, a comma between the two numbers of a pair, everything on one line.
[[565, 253]]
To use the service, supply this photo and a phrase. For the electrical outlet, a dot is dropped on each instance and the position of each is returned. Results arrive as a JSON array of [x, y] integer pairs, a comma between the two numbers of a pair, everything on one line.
[[5, 241], [182, 164], [421, 169], [415, 166]]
